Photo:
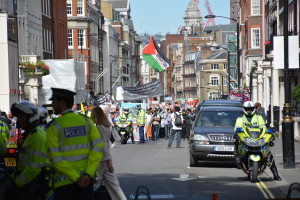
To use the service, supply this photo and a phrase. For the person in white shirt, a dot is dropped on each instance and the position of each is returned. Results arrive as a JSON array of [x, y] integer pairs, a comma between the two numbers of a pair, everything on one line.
[[148, 127], [175, 129]]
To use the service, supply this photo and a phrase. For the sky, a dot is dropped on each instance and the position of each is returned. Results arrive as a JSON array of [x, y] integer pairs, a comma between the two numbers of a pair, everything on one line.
[[166, 16]]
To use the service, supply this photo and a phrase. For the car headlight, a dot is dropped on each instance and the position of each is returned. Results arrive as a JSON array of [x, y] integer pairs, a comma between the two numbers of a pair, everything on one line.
[[200, 137], [254, 143]]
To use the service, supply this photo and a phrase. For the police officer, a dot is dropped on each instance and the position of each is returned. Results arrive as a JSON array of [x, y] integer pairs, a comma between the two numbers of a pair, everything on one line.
[[74, 148], [140, 122], [33, 160], [252, 120]]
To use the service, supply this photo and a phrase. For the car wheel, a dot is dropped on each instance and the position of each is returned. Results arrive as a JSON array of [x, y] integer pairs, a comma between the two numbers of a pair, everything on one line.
[[193, 161]]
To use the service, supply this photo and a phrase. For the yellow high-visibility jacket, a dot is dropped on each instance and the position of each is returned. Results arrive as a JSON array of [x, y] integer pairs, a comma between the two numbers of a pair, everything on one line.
[[4, 130], [256, 122], [74, 147], [32, 157]]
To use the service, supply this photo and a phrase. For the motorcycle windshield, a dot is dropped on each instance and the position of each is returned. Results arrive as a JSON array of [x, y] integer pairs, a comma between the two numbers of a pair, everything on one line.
[[254, 132]]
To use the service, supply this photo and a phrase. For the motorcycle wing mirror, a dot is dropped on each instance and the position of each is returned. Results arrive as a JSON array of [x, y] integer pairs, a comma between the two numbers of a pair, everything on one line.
[[269, 130], [238, 130]]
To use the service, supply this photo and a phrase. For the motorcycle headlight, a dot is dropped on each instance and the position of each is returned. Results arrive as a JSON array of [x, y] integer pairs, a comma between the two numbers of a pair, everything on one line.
[[123, 125], [200, 137], [254, 143]]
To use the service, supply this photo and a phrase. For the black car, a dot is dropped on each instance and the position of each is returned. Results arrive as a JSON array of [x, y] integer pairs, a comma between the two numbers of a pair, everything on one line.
[[212, 134], [218, 102]]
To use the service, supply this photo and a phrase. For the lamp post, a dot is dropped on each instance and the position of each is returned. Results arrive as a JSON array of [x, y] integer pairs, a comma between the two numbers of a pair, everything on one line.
[[288, 148], [110, 76], [237, 44], [81, 39]]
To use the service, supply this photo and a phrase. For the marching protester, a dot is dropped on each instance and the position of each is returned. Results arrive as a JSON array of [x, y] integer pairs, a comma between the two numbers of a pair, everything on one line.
[[148, 127], [177, 121], [74, 149], [155, 125], [166, 121], [105, 169]]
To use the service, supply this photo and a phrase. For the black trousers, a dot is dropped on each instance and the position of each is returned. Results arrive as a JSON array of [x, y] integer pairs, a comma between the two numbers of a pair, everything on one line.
[[74, 192]]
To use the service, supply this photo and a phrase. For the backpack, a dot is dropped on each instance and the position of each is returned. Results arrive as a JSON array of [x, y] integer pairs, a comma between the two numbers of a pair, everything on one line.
[[178, 120]]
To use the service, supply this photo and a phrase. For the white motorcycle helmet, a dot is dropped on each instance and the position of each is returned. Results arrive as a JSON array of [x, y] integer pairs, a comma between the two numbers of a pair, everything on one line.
[[43, 113], [249, 108], [26, 108], [126, 110]]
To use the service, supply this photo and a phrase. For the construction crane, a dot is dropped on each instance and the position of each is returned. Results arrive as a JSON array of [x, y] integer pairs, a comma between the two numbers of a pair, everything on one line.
[[210, 21]]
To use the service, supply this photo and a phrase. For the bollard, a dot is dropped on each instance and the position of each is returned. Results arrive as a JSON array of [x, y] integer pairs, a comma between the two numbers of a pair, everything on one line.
[[215, 196]]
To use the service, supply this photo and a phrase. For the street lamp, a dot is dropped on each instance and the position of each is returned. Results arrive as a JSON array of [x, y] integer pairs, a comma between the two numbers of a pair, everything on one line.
[[237, 44], [110, 76], [81, 39], [288, 148]]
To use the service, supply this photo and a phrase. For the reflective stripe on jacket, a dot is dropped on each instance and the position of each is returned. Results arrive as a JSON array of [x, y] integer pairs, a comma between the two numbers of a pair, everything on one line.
[[74, 147], [32, 157], [140, 117]]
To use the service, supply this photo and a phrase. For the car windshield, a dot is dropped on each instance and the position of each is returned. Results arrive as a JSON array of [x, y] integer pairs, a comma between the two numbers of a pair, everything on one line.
[[218, 118]]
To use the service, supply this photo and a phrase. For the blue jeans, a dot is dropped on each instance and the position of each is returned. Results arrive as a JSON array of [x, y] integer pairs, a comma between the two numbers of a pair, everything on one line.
[[141, 133], [166, 130], [178, 132], [155, 132]]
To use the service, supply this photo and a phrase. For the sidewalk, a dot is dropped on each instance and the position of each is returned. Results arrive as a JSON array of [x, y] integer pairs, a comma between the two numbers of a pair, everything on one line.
[[288, 176]]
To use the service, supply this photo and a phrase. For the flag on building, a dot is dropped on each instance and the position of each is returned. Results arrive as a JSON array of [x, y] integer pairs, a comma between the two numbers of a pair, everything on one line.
[[154, 56]]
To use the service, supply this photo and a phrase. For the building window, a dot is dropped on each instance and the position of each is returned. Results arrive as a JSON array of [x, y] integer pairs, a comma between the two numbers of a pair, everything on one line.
[[255, 38], [69, 7], [81, 38], [70, 37], [79, 7], [225, 66], [213, 95], [214, 66], [214, 80], [255, 7]]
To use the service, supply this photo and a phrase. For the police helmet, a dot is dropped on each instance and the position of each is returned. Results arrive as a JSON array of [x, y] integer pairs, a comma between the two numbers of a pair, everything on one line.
[[125, 109], [249, 108], [43, 113], [27, 108]]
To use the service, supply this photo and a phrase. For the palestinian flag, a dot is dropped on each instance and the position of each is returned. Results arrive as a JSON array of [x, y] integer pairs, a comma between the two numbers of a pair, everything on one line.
[[154, 56]]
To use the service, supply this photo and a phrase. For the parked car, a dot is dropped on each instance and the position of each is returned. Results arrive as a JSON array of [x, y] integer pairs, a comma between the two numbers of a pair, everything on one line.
[[218, 102], [211, 136]]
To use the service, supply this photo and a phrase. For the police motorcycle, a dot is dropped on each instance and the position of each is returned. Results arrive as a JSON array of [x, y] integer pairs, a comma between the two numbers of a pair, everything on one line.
[[124, 128], [252, 150], [8, 160]]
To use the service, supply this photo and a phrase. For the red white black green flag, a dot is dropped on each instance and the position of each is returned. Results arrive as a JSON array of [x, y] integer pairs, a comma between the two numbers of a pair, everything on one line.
[[154, 56]]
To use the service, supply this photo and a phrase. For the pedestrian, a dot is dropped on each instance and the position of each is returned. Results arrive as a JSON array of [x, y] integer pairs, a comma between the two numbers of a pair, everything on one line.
[[155, 125], [166, 122], [188, 122], [260, 111], [148, 127], [105, 169], [184, 116], [33, 163], [74, 149], [176, 130], [106, 110], [140, 122]]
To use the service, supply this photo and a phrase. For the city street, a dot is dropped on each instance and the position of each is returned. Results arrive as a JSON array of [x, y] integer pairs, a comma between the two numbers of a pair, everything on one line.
[[167, 174]]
